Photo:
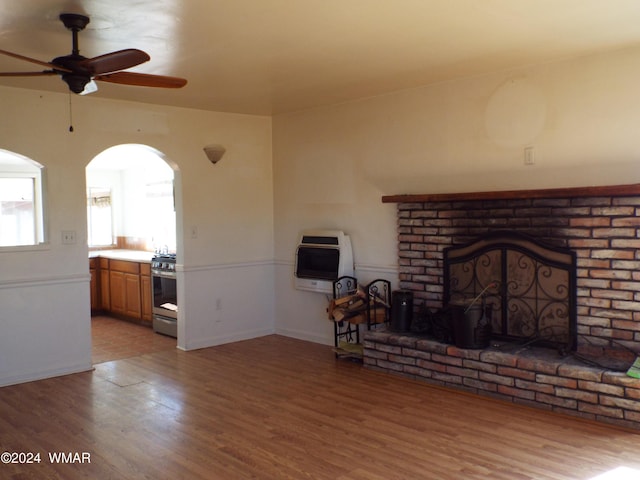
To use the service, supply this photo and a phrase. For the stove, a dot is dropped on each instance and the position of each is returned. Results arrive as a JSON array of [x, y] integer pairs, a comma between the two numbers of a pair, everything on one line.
[[165, 298], [165, 262]]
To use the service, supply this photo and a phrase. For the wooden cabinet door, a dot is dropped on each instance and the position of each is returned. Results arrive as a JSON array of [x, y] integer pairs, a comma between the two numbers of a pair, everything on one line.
[[105, 291], [95, 301], [132, 305], [118, 292], [125, 289], [146, 298]]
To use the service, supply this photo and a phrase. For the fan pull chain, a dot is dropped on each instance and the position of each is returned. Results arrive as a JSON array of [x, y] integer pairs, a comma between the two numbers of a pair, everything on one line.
[[70, 115]]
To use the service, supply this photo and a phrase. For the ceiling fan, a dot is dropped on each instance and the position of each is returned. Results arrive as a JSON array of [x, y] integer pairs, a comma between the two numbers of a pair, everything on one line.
[[79, 72]]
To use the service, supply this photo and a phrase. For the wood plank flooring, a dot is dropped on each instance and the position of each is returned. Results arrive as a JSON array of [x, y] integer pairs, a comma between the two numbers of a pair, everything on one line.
[[279, 408], [114, 339]]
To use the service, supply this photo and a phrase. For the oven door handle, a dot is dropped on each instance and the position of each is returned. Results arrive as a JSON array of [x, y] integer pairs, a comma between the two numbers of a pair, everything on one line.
[[163, 274]]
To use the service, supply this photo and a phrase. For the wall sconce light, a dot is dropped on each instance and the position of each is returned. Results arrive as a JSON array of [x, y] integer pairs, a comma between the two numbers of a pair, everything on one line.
[[214, 152]]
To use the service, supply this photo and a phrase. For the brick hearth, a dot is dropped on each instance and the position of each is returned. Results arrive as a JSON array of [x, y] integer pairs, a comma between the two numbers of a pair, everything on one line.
[[531, 376]]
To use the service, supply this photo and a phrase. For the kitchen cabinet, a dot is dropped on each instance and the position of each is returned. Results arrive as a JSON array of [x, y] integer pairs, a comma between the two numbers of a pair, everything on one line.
[[145, 293], [104, 285], [124, 280], [124, 289], [117, 292], [93, 286], [132, 305]]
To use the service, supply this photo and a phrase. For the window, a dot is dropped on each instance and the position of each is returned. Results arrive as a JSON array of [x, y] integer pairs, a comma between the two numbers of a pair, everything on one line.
[[161, 215], [99, 217], [21, 210]]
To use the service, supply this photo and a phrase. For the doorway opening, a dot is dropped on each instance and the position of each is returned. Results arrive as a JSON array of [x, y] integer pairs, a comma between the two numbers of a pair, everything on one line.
[[131, 216]]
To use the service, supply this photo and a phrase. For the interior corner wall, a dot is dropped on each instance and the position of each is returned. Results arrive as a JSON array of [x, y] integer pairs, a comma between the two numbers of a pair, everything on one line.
[[44, 291], [332, 165]]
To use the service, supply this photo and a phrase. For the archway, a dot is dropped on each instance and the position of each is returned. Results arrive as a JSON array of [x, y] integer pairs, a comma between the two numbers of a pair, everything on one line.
[[132, 200]]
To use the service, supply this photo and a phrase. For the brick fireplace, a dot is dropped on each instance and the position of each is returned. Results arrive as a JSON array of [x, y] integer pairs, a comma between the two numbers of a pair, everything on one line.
[[601, 225]]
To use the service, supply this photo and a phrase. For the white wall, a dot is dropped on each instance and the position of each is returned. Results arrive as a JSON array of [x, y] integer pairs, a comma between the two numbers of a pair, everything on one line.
[[332, 165], [44, 292]]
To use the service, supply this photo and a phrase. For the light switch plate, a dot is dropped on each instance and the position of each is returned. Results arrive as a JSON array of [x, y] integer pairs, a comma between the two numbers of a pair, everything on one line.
[[68, 237]]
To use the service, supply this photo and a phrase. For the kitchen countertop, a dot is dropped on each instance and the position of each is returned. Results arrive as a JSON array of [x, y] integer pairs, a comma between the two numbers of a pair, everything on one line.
[[121, 254]]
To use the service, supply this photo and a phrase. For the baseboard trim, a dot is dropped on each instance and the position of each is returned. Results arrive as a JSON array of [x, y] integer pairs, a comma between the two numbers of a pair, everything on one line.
[[304, 335], [228, 338], [56, 372]]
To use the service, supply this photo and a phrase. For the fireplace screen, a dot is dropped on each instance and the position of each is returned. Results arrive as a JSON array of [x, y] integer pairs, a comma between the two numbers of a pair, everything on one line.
[[531, 287]]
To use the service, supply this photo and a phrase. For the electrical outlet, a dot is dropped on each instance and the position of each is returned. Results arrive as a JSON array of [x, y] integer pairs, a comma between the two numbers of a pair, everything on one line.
[[219, 309], [529, 157], [68, 237]]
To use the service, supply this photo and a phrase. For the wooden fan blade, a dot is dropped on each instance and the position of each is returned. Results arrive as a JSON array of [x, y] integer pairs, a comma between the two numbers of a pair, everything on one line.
[[33, 60], [142, 80], [114, 61], [27, 74]]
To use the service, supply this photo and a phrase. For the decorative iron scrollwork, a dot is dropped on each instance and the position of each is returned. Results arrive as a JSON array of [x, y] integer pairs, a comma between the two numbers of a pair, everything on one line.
[[535, 297]]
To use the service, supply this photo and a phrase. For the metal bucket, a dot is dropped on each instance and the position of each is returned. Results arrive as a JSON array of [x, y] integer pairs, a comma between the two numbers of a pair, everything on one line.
[[471, 324]]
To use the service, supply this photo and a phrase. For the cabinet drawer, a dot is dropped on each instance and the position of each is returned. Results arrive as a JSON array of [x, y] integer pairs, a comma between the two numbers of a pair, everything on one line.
[[93, 263], [104, 263], [145, 269], [124, 266]]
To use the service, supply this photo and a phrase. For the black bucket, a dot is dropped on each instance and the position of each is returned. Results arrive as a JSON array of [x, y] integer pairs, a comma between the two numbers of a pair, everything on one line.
[[401, 310], [471, 324]]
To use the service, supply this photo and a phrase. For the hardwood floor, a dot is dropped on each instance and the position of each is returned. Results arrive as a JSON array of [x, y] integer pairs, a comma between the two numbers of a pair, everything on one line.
[[279, 408], [114, 339]]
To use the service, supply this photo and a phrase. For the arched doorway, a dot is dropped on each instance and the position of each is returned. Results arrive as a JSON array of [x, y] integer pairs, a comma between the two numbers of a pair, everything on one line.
[[131, 215]]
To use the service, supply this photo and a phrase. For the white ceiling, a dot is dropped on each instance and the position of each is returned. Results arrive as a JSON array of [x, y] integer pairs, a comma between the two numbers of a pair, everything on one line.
[[274, 56]]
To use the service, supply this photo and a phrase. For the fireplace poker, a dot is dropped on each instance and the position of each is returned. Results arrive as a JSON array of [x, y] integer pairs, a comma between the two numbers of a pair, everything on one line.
[[491, 285]]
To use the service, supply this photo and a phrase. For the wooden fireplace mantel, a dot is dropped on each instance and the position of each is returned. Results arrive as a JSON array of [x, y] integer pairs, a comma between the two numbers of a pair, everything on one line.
[[599, 191]]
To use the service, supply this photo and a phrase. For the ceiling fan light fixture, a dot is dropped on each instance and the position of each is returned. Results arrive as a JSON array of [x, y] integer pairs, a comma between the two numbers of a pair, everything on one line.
[[76, 82], [90, 87]]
